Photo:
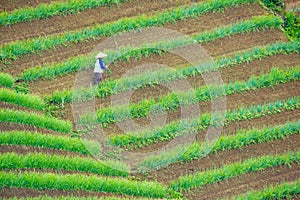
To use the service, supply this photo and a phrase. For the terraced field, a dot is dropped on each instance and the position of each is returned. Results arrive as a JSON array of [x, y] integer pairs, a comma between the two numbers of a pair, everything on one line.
[[224, 128]]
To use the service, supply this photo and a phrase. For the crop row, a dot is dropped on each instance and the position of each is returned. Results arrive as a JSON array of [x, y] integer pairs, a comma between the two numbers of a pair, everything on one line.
[[40, 140], [50, 71], [33, 119], [58, 162], [6, 80], [20, 99], [174, 100], [14, 49], [110, 87], [43, 11], [282, 191], [194, 151], [94, 183], [233, 170], [184, 127]]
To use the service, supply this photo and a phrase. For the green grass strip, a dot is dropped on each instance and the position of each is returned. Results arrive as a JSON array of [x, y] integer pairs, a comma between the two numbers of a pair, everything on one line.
[[33, 119], [174, 101], [6, 80], [184, 127], [50, 71], [40, 140], [44, 10], [75, 182], [196, 150], [281, 191], [110, 87], [233, 170], [58, 162], [14, 49], [20, 99]]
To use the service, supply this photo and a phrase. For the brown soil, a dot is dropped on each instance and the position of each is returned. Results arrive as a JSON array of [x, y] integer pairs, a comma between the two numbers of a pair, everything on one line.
[[25, 192], [290, 4], [29, 149], [59, 171], [217, 160], [5, 105], [246, 182], [228, 16], [88, 17], [289, 1], [200, 24], [216, 48], [234, 101], [240, 42], [4, 126], [9, 5]]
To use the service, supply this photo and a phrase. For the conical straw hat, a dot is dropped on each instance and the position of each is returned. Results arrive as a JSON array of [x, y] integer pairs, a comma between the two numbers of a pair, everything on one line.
[[100, 55]]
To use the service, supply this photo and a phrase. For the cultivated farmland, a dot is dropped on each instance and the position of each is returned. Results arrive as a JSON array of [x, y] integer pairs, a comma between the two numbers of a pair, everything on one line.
[[200, 101]]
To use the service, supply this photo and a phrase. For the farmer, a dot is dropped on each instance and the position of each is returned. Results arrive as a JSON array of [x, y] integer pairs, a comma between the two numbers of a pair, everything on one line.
[[99, 68]]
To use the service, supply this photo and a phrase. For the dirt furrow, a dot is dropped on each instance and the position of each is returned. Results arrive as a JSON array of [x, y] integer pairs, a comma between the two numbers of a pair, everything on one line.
[[291, 4], [21, 149], [5, 105], [5, 126], [203, 23], [243, 41], [54, 171], [85, 18], [246, 182], [26, 192], [9, 5]]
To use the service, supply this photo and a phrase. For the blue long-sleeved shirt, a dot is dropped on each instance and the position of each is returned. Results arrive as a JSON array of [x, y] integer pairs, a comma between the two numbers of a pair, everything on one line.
[[99, 66]]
